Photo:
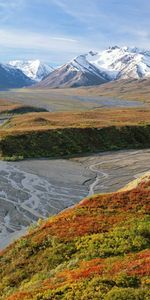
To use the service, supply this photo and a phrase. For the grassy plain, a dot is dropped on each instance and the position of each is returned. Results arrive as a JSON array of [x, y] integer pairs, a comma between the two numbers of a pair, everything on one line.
[[98, 118], [77, 98], [52, 100], [76, 124]]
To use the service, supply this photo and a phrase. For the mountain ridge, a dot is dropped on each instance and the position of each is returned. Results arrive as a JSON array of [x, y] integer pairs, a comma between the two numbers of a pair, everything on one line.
[[89, 69], [95, 68]]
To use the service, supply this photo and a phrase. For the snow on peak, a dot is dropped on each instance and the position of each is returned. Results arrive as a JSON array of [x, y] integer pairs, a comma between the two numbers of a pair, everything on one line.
[[121, 62], [34, 69], [110, 64], [116, 62]]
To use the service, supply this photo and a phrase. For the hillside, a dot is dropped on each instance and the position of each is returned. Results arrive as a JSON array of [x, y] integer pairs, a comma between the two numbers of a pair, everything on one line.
[[14, 108], [99, 249], [60, 134], [133, 89]]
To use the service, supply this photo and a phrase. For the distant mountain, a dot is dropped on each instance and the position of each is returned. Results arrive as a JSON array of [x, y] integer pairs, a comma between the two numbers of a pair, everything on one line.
[[95, 68], [122, 63], [78, 72], [11, 77], [92, 68], [34, 69]]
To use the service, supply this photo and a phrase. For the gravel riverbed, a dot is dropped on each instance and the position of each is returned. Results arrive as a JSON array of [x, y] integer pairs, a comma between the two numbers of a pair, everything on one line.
[[34, 189]]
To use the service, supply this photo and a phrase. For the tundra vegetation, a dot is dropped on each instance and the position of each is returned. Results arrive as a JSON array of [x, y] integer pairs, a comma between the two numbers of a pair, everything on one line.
[[59, 134], [99, 249]]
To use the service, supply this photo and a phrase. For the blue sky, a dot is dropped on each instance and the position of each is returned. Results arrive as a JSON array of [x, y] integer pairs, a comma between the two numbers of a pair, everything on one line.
[[57, 30]]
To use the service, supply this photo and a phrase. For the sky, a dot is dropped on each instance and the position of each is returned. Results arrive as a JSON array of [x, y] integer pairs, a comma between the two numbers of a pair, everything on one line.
[[56, 31]]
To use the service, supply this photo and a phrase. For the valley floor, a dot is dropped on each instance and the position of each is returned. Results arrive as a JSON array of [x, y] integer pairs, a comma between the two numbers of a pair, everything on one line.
[[70, 99], [34, 189]]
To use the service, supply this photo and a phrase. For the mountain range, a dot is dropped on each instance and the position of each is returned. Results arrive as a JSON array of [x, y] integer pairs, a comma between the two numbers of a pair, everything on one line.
[[18, 74], [95, 68], [92, 68]]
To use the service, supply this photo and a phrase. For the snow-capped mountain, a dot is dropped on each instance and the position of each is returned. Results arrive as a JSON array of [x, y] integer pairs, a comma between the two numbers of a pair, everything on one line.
[[96, 68], [122, 63], [78, 72], [92, 68], [11, 77], [34, 69]]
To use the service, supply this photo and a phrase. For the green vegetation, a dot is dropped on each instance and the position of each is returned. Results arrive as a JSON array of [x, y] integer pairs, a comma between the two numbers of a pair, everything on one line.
[[44, 134], [22, 110], [100, 250], [70, 141]]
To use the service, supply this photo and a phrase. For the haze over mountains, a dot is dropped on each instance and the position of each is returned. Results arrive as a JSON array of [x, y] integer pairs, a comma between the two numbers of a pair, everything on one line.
[[93, 68]]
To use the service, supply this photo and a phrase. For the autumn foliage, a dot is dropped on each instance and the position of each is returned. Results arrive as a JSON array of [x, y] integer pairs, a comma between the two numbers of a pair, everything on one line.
[[99, 249]]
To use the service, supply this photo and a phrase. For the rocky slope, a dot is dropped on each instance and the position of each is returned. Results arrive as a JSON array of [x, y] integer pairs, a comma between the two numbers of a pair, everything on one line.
[[78, 72]]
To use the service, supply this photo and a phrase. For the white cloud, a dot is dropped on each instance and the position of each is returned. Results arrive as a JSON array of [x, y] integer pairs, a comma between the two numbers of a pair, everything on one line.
[[8, 8], [96, 27], [31, 40], [64, 39]]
